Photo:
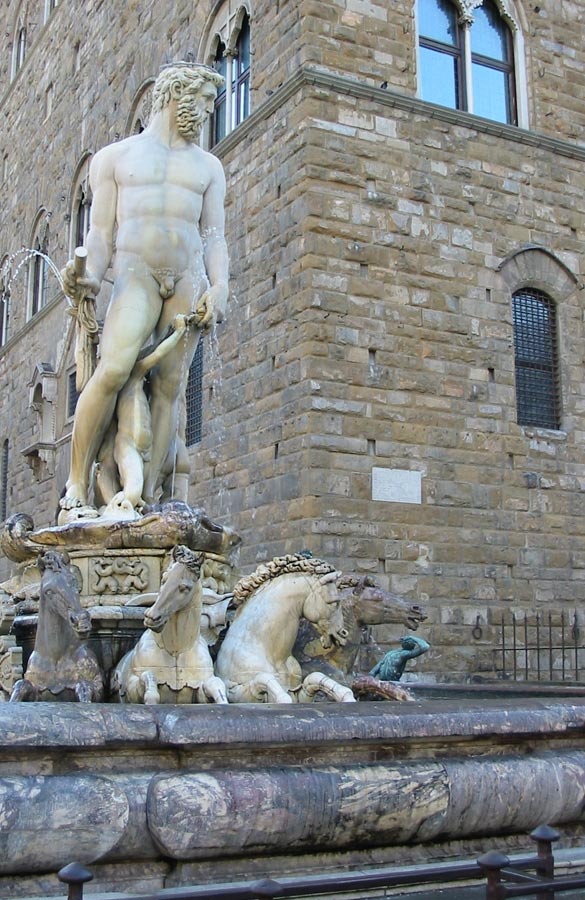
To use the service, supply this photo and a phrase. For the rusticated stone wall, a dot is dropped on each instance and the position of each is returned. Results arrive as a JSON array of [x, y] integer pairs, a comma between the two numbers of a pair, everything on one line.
[[375, 242]]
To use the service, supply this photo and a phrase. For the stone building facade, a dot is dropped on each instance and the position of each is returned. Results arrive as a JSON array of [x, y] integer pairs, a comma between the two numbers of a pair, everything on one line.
[[361, 400]]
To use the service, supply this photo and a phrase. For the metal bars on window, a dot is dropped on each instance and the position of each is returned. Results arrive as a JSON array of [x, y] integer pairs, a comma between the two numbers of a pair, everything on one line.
[[72, 394], [536, 359], [194, 399]]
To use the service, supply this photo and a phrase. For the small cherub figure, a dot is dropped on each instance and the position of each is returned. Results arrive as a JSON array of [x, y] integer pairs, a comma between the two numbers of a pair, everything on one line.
[[392, 665], [133, 441]]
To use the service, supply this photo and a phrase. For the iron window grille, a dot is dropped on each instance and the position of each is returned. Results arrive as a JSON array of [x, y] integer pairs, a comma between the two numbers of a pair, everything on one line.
[[72, 394], [4, 481], [536, 359], [194, 399]]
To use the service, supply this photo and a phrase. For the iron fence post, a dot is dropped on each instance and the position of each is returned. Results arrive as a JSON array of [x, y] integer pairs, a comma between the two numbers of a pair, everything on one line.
[[493, 862], [74, 875], [544, 836]]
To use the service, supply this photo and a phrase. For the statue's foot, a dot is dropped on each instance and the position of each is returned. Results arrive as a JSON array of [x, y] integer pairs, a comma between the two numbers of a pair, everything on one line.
[[76, 514], [120, 509]]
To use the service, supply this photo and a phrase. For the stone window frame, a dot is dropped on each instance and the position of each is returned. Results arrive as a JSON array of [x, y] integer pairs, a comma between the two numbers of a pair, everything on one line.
[[80, 200], [140, 108], [224, 27], [512, 18], [50, 7], [38, 268], [19, 42], [536, 268]]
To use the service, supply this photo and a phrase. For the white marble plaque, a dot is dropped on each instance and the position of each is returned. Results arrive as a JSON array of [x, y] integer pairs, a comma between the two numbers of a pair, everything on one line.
[[396, 485]]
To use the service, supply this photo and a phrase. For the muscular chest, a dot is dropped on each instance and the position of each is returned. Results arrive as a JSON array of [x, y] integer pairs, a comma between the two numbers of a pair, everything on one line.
[[157, 167]]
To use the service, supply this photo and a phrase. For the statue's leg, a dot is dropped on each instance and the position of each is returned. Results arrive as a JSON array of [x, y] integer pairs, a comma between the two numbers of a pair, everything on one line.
[[106, 481], [176, 473], [168, 382], [317, 681], [130, 464], [22, 691], [132, 315], [213, 690], [84, 692], [263, 688], [151, 694]]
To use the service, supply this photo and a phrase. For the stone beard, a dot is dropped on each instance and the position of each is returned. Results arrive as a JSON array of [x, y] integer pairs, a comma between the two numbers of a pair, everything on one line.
[[189, 120]]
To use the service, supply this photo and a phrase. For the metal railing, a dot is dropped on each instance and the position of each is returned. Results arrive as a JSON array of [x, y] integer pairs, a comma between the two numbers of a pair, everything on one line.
[[503, 879], [541, 647]]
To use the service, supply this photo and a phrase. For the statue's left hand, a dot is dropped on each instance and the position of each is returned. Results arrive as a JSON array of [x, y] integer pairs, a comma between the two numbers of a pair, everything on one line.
[[211, 305]]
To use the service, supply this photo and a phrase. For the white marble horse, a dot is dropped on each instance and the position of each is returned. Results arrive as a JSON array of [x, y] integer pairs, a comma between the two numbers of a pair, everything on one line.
[[255, 659], [171, 661]]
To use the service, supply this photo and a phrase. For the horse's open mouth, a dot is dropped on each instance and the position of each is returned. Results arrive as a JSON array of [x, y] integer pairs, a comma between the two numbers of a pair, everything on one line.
[[334, 639]]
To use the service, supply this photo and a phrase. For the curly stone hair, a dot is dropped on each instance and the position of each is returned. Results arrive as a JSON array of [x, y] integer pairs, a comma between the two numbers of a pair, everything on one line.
[[185, 75], [281, 565]]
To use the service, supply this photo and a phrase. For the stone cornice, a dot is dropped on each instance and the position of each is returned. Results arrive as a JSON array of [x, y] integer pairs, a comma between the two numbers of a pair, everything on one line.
[[387, 98]]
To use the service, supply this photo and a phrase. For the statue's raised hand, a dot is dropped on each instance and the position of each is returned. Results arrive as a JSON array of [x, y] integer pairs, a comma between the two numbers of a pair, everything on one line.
[[78, 287]]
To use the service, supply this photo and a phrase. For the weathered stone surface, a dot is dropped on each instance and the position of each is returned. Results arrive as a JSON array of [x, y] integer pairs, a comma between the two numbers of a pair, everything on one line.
[[41, 818], [224, 813], [134, 785]]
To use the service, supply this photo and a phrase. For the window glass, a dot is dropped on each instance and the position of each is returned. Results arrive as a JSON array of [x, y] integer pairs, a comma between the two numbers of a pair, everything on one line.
[[230, 54], [446, 78], [489, 34], [437, 19], [491, 95], [439, 77]]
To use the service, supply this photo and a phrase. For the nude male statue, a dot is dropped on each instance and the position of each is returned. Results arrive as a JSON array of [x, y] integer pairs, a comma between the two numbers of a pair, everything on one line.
[[162, 198]]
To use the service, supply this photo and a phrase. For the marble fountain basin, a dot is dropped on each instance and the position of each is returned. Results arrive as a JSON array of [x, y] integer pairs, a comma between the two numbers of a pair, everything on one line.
[[173, 795]]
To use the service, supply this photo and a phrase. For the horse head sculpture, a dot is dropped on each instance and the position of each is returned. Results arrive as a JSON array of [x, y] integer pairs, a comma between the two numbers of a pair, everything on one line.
[[60, 667], [179, 584], [322, 607]]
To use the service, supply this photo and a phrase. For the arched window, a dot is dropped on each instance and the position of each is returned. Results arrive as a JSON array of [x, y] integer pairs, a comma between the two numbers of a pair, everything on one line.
[[50, 5], [18, 48], [467, 61], [39, 266], [194, 399], [538, 401], [228, 51], [4, 299], [80, 206], [140, 109]]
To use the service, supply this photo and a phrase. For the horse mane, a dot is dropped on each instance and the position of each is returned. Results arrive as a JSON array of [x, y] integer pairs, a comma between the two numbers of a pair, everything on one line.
[[188, 558], [281, 565]]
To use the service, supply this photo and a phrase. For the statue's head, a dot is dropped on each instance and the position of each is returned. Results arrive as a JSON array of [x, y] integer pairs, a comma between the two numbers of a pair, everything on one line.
[[193, 87]]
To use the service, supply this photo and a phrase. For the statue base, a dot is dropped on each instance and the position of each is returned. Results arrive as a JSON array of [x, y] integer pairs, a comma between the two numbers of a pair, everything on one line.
[[118, 566]]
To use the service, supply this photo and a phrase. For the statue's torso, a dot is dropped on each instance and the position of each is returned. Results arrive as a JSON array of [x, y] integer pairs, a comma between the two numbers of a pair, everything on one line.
[[159, 200]]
